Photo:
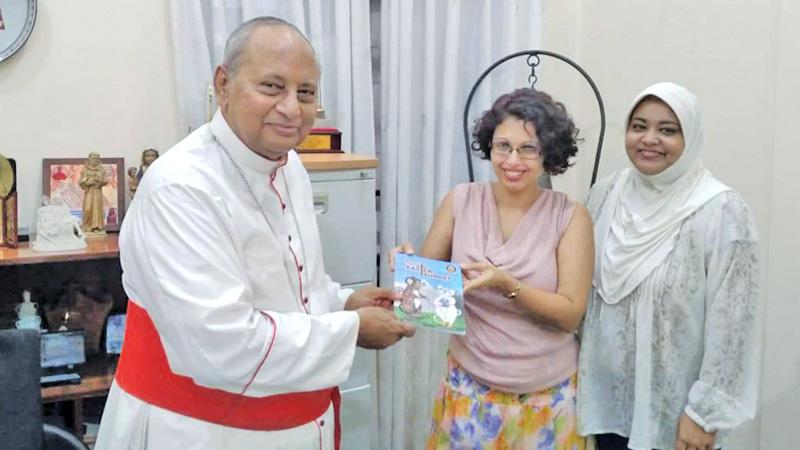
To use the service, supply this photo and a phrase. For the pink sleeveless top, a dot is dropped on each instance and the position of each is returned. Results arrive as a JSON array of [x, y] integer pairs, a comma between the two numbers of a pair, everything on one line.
[[504, 347]]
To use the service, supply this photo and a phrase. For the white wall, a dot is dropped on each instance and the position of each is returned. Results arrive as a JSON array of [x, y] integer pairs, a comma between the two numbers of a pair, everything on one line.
[[742, 59], [94, 76]]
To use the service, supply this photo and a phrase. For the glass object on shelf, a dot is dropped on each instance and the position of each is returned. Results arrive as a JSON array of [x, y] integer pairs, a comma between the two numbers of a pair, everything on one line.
[[27, 313]]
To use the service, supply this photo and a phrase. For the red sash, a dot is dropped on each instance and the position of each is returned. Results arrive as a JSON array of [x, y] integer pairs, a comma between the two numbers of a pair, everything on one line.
[[143, 371]]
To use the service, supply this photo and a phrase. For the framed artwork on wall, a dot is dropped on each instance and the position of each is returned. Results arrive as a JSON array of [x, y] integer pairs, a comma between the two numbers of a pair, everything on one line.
[[60, 180]]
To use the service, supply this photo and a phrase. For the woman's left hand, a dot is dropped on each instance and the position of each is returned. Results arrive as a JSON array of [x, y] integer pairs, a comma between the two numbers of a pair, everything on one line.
[[692, 437], [485, 275]]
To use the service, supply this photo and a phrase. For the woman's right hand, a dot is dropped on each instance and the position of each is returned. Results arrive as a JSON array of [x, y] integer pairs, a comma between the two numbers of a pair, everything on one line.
[[406, 248]]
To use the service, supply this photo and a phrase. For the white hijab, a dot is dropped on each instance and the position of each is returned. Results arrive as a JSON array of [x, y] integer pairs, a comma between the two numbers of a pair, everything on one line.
[[642, 216]]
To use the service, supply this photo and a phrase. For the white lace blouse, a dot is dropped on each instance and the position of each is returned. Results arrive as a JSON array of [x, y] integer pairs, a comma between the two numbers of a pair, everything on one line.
[[685, 340]]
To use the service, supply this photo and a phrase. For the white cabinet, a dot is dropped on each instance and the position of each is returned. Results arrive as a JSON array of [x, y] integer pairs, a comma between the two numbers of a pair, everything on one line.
[[345, 204]]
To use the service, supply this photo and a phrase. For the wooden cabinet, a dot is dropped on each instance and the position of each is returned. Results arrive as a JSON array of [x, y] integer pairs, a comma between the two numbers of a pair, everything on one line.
[[49, 276]]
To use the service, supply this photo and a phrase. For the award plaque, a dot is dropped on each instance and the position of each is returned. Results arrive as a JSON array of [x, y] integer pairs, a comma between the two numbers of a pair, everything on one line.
[[322, 140], [8, 203], [63, 348], [115, 333]]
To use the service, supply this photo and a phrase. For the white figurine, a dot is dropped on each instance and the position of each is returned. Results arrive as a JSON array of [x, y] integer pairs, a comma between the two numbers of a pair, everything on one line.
[[27, 318], [57, 230]]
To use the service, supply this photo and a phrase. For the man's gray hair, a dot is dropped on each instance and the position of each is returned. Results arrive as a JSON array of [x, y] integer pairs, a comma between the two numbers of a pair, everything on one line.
[[238, 40]]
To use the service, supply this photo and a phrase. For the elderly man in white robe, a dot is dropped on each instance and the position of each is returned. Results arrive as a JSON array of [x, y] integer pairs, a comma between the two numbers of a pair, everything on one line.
[[236, 337]]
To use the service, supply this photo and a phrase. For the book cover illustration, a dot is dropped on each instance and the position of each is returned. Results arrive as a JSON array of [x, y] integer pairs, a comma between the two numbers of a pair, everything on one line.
[[433, 294]]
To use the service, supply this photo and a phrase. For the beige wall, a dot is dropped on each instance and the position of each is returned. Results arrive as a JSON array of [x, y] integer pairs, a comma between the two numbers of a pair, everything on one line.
[[94, 76], [742, 59]]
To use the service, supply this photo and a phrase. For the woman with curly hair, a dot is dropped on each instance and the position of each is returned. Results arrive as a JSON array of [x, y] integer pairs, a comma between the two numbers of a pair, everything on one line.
[[527, 255]]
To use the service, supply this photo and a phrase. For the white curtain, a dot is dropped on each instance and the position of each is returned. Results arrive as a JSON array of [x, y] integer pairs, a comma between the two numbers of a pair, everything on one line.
[[432, 51], [338, 29]]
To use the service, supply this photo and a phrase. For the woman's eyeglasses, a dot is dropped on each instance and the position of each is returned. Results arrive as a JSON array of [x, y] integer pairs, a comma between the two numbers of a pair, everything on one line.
[[524, 151]]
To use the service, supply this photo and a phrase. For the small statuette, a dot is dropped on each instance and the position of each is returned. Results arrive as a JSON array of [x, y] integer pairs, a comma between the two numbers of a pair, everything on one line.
[[149, 155], [92, 179], [27, 316], [133, 181], [57, 230]]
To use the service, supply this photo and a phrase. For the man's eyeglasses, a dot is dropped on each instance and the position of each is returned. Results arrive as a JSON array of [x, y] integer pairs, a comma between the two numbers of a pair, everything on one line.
[[524, 151]]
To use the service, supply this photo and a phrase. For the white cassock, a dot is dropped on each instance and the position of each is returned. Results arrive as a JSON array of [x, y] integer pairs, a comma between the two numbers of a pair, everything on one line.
[[204, 261]]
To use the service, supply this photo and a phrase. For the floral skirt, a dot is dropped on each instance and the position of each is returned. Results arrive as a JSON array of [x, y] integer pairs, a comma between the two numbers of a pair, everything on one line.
[[470, 415]]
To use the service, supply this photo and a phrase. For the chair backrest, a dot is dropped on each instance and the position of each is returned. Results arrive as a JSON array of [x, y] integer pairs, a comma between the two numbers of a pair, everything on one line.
[[533, 61], [20, 390], [58, 439]]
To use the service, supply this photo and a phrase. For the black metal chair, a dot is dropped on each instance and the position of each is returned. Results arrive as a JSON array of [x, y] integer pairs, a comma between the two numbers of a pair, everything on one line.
[[533, 61], [21, 426]]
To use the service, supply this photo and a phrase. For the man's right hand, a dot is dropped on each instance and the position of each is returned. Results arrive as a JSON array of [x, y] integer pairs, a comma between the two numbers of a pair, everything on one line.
[[379, 328]]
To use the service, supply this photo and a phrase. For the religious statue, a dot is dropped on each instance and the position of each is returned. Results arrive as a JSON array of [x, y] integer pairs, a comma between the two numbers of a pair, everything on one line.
[[27, 315], [135, 175], [92, 180], [148, 156], [133, 181], [57, 230]]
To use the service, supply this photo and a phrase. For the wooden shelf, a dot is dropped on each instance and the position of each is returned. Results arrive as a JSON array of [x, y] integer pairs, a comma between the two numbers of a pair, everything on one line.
[[97, 374], [337, 161], [97, 248], [91, 386]]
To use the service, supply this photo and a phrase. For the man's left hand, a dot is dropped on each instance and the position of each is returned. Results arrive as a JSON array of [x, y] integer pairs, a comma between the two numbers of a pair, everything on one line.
[[371, 296], [692, 437]]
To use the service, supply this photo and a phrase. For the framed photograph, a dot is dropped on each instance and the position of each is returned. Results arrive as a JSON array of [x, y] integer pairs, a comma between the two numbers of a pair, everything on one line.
[[60, 178]]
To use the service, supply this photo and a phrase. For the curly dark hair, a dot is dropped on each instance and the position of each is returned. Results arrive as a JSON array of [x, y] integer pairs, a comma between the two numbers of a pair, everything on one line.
[[554, 128]]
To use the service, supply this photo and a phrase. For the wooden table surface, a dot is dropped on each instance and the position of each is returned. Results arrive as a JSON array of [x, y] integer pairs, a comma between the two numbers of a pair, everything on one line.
[[337, 161], [91, 386]]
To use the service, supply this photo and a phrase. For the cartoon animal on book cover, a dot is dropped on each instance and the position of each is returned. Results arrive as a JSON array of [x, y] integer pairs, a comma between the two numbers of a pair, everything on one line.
[[446, 311], [411, 302]]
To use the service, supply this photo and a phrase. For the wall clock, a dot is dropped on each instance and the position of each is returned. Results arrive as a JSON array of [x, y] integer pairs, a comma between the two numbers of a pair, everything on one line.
[[16, 24]]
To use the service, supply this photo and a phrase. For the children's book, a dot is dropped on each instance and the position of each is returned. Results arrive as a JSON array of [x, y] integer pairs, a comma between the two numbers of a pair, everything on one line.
[[433, 294]]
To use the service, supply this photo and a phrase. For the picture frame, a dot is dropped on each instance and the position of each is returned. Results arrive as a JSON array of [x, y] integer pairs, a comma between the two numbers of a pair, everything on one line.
[[60, 176]]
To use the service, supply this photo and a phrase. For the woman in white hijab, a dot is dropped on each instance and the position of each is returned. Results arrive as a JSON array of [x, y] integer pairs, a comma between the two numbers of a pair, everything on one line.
[[669, 354]]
